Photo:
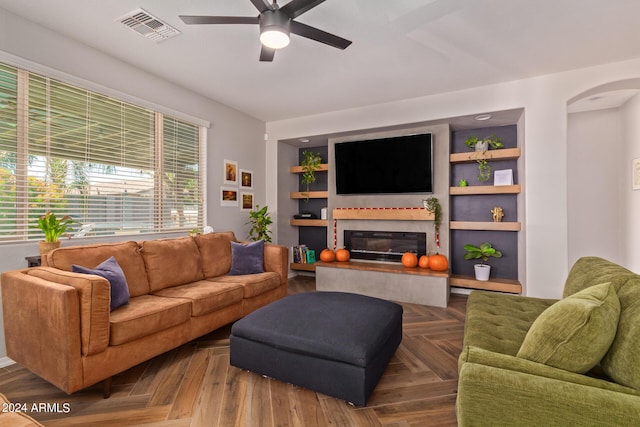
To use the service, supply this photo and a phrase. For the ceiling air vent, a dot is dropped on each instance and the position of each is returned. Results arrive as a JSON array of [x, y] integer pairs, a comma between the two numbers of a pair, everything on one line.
[[148, 25]]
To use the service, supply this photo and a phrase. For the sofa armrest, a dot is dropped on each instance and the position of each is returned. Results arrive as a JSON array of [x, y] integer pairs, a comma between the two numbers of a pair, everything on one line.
[[276, 258], [500, 390], [42, 328], [93, 294]]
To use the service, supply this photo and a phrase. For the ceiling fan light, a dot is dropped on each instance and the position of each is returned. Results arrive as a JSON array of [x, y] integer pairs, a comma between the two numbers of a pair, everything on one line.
[[275, 38]]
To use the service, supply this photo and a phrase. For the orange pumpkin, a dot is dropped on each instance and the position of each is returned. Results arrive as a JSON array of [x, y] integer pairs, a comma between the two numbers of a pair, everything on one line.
[[409, 259], [438, 262], [342, 255], [423, 262], [327, 255]]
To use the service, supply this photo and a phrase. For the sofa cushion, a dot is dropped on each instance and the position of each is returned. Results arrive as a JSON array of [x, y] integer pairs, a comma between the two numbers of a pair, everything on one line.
[[252, 284], [247, 258], [111, 271], [171, 262], [215, 251], [576, 332], [623, 358], [126, 253], [205, 296], [146, 315], [499, 322]]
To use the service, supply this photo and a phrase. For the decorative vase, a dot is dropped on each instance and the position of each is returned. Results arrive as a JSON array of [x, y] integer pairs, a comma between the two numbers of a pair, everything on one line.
[[482, 146], [482, 272], [46, 247]]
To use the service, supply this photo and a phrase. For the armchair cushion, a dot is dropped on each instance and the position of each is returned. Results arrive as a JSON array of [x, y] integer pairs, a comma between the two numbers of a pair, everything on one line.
[[247, 258], [110, 270], [575, 333]]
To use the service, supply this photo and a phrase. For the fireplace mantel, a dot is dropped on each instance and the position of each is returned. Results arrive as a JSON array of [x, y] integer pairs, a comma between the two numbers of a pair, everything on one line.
[[406, 214]]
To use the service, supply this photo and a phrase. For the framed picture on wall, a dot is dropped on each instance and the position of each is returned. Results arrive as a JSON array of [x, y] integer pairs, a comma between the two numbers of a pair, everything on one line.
[[246, 201], [228, 196], [230, 169], [636, 173], [246, 179]]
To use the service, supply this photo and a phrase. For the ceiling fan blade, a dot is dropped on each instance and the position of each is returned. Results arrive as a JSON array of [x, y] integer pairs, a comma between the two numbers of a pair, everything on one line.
[[295, 8], [261, 5], [266, 54], [190, 19], [319, 35]]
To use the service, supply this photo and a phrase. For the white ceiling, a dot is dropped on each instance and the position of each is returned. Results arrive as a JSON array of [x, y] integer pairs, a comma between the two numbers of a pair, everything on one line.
[[401, 48]]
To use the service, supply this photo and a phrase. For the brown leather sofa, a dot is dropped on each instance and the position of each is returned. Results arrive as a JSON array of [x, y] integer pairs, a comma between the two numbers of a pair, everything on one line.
[[58, 324], [13, 416]]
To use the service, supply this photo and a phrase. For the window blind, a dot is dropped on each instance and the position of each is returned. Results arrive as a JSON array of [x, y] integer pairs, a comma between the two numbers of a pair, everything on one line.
[[98, 159]]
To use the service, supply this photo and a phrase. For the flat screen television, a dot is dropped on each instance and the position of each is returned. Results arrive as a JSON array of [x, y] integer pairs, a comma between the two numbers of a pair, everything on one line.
[[401, 164]]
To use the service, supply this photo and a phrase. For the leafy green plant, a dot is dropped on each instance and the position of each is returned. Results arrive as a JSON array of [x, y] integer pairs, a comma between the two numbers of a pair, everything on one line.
[[484, 168], [432, 204], [310, 164], [484, 251], [53, 227], [260, 220]]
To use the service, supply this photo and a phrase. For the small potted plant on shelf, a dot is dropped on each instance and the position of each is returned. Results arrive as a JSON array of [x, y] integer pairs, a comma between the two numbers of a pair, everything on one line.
[[53, 228], [484, 251], [260, 220], [310, 164], [480, 147]]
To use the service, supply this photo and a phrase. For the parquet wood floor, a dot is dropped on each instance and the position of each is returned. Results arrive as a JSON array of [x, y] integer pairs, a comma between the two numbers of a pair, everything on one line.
[[194, 385]]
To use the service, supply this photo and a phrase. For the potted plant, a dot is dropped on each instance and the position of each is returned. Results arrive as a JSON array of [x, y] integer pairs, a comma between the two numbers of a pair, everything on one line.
[[484, 251], [310, 164], [53, 228], [432, 204], [260, 220], [481, 146]]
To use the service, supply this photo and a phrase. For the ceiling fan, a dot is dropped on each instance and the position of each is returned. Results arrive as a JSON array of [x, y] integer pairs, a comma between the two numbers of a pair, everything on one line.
[[276, 24]]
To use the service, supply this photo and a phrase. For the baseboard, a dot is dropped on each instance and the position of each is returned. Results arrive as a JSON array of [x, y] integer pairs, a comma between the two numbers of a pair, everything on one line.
[[460, 291], [5, 361]]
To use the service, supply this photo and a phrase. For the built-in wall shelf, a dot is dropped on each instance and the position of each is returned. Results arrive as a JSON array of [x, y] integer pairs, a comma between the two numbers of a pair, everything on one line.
[[500, 285], [308, 222], [323, 167], [302, 267], [406, 214], [484, 189], [484, 226], [310, 195], [472, 156]]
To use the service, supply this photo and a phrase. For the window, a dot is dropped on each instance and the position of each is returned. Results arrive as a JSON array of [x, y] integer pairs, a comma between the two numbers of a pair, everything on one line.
[[113, 166]]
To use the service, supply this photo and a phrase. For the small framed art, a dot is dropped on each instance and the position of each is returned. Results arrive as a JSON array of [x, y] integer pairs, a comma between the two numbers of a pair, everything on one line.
[[246, 201], [228, 196], [246, 179], [230, 168]]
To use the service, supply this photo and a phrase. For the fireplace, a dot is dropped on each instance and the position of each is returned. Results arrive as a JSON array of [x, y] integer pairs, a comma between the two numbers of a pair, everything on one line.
[[384, 245]]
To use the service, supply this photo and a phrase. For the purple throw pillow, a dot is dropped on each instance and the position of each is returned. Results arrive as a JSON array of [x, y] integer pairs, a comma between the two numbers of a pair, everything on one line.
[[111, 271], [247, 258]]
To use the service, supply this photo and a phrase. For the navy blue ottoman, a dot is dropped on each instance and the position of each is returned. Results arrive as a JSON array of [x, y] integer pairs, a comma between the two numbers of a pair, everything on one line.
[[331, 342]]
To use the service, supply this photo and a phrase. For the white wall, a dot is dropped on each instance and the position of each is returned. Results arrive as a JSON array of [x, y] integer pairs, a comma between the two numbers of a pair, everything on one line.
[[630, 200], [233, 135], [595, 151], [545, 157]]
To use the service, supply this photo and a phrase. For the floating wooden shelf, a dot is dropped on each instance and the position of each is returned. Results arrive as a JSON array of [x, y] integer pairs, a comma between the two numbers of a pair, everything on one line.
[[308, 222], [501, 285], [472, 156], [487, 226], [311, 195], [406, 214], [298, 169], [303, 267], [484, 189], [384, 268]]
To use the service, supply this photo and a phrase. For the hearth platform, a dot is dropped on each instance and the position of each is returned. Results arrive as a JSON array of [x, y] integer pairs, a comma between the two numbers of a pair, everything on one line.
[[393, 282]]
